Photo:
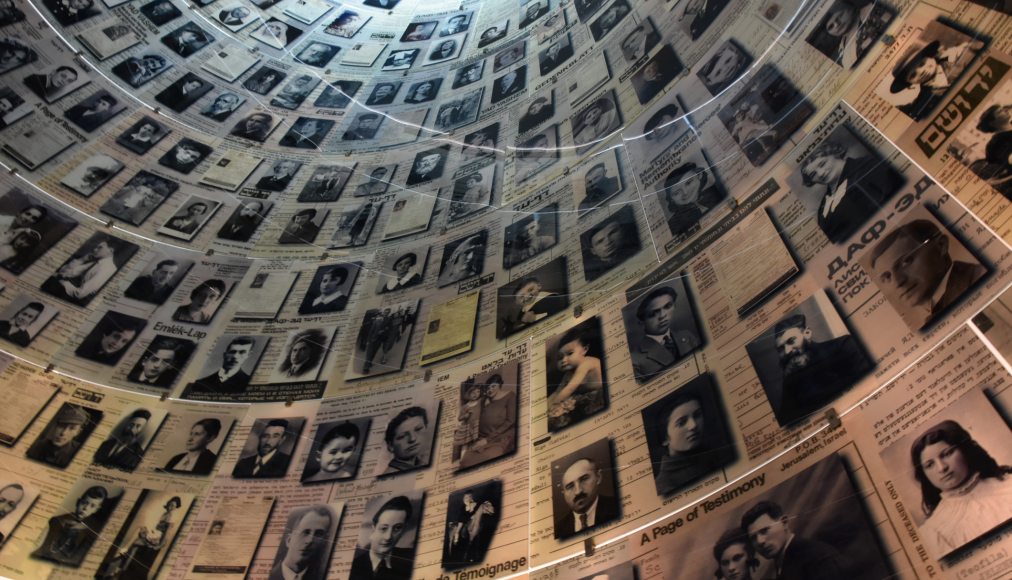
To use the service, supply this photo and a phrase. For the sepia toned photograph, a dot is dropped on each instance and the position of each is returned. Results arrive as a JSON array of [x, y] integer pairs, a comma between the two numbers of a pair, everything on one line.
[[162, 361], [303, 355], [585, 492], [409, 439], [531, 298], [487, 416], [194, 447], [88, 269], [984, 143], [139, 197], [268, 449], [463, 259], [303, 226], [849, 29], [228, 368], [146, 537], [689, 192], [28, 229], [389, 532], [125, 446], [306, 542], [355, 224], [530, 235], [337, 450], [17, 497], [381, 343], [472, 518], [576, 387], [64, 435], [661, 328], [24, 318], [419, 31], [78, 522]]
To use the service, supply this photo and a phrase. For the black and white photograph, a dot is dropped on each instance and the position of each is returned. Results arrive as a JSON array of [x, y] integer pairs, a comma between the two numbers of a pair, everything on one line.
[[383, 93], [444, 50], [276, 33], [147, 535], [532, 297], [531, 11], [228, 368], [460, 111], [689, 192], [472, 518], [187, 40], [374, 180], [24, 318], [307, 541], [255, 127], [417, 31], [278, 175], [807, 359], [423, 91], [316, 54], [54, 83], [88, 269], [390, 528], [530, 235], [687, 435], [184, 92], [17, 497], [428, 165], [411, 213], [548, 27], [303, 226], [68, 13], [303, 355], [401, 59], [91, 174], [409, 439], [585, 492], [64, 435], [185, 156], [159, 279], [536, 153], [576, 384], [585, 9], [609, 19], [194, 447], [268, 449], [639, 41], [264, 80], [10, 14], [139, 198], [78, 522], [493, 33], [472, 192], [512, 83], [129, 439], [36, 142], [245, 220], [627, 571], [596, 122], [295, 92], [236, 17], [955, 474], [325, 184], [609, 243], [984, 143], [539, 110], [307, 133], [347, 24], [596, 181], [381, 343], [456, 24], [330, 288], [13, 107], [849, 29], [468, 74], [844, 182], [28, 229], [355, 224], [509, 56], [143, 135], [337, 449], [110, 338], [487, 412], [137, 71], [661, 328], [160, 12], [481, 143], [161, 361], [555, 55], [363, 127], [462, 259], [764, 115], [658, 72], [94, 111], [402, 269], [338, 94], [696, 16], [203, 302], [727, 64], [922, 269]]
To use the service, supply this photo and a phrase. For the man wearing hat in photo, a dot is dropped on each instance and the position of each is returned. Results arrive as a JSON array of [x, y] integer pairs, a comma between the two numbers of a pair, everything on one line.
[[62, 438], [363, 127], [658, 346], [123, 450], [931, 70]]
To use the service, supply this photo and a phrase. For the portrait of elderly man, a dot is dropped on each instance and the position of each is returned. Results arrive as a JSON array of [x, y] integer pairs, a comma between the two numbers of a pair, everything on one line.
[[769, 530], [303, 355], [222, 106], [409, 439], [162, 361], [816, 360], [18, 328], [244, 221], [584, 498], [61, 439], [125, 446], [381, 557], [306, 544], [229, 378], [661, 330], [269, 459], [197, 459], [922, 270], [428, 165], [317, 54]]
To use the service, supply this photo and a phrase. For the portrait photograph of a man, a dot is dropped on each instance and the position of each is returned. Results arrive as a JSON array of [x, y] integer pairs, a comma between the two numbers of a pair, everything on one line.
[[268, 448], [409, 438], [16, 497], [229, 367], [428, 165], [24, 318], [609, 243], [386, 540], [472, 517], [28, 229], [585, 491], [807, 359], [307, 542], [125, 446], [64, 435], [303, 355], [661, 328], [163, 359], [158, 279], [532, 297], [922, 268]]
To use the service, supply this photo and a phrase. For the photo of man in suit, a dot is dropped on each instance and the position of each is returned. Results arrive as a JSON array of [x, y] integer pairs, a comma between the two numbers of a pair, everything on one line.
[[61, 439], [585, 506], [53, 85], [381, 558], [796, 558], [509, 84], [10, 498], [700, 15], [306, 545], [162, 361], [230, 378], [428, 165], [244, 221], [156, 286], [197, 459], [269, 460], [655, 344], [125, 447], [557, 53], [16, 329]]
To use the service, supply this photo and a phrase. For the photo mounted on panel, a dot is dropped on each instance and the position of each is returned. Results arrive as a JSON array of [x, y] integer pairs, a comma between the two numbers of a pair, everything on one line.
[[472, 518], [330, 288], [304, 355], [162, 361], [472, 192], [487, 416], [25, 318], [610, 243], [64, 435], [268, 450], [203, 301], [89, 268], [463, 258], [390, 522], [536, 153], [245, 220], [355, 224], [337, 450], [129, 439], [494, 33], [596, 181], [530, 235], [200, 437], [532, 297], [410, 437], [146, 537], [576, 384], [325, 184], [158, 279], [458, 112], [228, 368], [585, 492], [82, 515], [29, 228], [661, 328], [402, 269], [381, 342]]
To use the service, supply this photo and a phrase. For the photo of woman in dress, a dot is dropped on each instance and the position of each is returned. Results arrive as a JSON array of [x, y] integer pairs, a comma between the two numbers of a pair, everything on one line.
[[486, 419]]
